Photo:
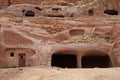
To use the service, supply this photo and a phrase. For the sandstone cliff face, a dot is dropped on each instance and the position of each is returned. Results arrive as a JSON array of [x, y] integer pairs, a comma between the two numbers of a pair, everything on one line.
[[36, 33], [109, 4], [68, 8], [40, 38]]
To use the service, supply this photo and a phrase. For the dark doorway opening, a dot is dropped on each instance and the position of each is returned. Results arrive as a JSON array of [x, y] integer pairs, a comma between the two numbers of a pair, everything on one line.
[[96, 61], [12, 54], [111, 12], [91, 12], [29, 14], [9, 2], [22, 58], [56, 9], [64, 60]]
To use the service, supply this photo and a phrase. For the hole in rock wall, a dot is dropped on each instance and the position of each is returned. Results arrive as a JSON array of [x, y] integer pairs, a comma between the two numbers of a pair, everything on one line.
[[91, 12], [56, 9], [64, 60], [9, 2], [29, 14], [76, 32], [92, 61], [111, 12], [12, 54]]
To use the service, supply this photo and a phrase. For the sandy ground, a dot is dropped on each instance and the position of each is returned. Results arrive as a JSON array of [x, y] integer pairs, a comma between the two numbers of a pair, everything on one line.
[[59, 74]]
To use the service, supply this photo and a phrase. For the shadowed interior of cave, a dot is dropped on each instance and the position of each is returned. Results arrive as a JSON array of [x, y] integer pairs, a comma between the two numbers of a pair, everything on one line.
[[111, 12], [92, 61], [64, 60], [29, 14], [91, 12]]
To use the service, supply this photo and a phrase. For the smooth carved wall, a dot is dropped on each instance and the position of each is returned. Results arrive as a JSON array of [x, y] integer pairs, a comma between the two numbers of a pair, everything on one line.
[[3, 3]]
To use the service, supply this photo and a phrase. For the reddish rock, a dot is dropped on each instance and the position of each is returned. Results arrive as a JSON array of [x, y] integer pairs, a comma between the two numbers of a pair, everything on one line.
[[85, 32]]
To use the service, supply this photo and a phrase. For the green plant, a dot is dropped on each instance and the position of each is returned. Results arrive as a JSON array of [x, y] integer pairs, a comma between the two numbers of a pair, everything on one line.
[[93, 36], [10, 66], [108, 38]]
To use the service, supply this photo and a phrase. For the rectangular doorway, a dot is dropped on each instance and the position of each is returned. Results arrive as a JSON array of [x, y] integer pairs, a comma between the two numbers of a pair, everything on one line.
[[93, 61], [22, 59], [64, 60]]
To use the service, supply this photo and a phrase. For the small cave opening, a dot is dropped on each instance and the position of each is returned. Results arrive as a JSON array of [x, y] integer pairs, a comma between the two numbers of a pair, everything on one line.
[[91, 12], [64, 60], [111, 12], [12, 54], [56, 9], [76, 32], [30, 13], [9, 2], [93, 61]]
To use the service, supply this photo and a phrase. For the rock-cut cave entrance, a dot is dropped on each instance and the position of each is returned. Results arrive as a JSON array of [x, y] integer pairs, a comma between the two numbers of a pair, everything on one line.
[[92, 61], [64, 60], [91, 12], [30, 13], [22, 58], [111, 12]]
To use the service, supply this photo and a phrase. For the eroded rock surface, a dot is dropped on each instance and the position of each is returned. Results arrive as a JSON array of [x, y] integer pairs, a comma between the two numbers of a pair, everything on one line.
[[35, 34]]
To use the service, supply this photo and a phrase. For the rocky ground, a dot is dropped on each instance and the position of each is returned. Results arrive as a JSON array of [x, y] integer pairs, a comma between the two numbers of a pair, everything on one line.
[[37, 73]]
